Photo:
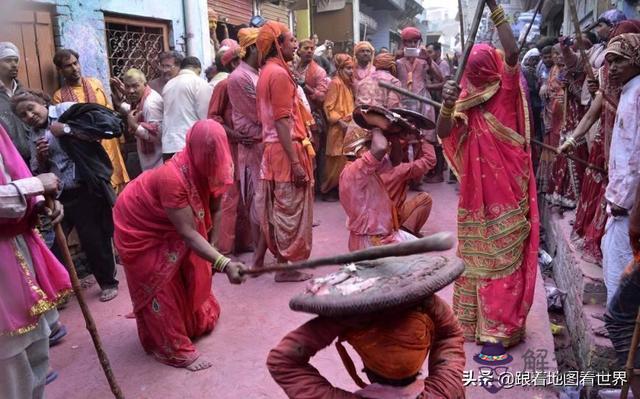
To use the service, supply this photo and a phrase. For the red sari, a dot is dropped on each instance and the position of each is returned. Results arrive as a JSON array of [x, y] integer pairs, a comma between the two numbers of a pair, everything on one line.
[[498, 225], [170, 286]]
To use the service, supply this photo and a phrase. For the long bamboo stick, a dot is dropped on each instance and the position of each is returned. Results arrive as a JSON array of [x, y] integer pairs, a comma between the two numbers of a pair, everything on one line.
[[631, 358], [461, 14], [408, 93], [470, 41], [436, 242], [61, 240], [570, 156], [535, 14]]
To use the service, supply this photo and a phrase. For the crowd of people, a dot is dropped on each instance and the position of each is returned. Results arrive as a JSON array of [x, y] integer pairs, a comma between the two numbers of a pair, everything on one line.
[[233, 163]]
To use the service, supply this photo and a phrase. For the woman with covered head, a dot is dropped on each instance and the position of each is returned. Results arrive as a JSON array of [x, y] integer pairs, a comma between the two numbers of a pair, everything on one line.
[[485, 128], [163, 221], [338, 107]]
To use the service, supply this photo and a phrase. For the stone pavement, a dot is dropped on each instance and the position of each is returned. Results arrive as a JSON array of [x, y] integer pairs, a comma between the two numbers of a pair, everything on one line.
[[255, 316]]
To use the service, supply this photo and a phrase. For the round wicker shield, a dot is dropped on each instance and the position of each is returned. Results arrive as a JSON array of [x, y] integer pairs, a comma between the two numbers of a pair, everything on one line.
[[377, 285]]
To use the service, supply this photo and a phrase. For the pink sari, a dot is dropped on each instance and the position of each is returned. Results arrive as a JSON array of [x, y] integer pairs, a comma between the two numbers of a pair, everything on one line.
[[170, 286], [498, 225], [26, 296]]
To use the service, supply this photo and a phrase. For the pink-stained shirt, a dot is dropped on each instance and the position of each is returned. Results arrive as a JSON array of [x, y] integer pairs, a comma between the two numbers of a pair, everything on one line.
[[444, 67], [624, 158], [289, 364], [420, 78], [369, 209], [397, 179], [277, 98], [360, 73], [315, 77], [368, 92], [241, 88]]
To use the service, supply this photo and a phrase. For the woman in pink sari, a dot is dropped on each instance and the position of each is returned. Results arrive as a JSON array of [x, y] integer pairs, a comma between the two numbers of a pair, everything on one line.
[[162, 221], [485, 130]]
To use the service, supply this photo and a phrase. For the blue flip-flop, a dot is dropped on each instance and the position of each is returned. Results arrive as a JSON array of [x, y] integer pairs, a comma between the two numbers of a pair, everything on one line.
[[51, 376], [56, 337]]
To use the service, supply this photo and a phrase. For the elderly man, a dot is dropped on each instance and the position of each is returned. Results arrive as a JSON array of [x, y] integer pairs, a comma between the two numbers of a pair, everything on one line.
[[286, 193], [9, 84], [186, 100], [368, 91], [363, 52], [77, 88], [242, 93], [143, 109], [169, 66], [624, 158]]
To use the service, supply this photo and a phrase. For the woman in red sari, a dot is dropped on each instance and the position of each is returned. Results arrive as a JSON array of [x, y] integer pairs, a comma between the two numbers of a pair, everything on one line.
[[485, 129], [162, 221]]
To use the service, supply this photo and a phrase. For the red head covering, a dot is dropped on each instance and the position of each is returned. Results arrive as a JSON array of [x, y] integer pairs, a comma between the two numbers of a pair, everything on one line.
[[342, 61], [481, 78], [207, 157], [232, 53], [628, 26], [410, 33]]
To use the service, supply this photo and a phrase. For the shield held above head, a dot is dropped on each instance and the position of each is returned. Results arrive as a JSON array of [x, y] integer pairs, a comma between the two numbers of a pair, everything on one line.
[[377, 285]]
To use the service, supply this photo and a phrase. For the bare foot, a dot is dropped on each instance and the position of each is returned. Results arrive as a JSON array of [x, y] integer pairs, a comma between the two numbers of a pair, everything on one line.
[[199, 364], [601, 332], [292, 277]]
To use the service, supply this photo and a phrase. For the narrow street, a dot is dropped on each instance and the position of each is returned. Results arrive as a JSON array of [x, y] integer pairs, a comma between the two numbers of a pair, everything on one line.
[[255, 316]]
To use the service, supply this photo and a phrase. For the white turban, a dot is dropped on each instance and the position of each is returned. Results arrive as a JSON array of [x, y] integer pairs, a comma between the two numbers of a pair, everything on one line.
[[534, 52], [8, 49]]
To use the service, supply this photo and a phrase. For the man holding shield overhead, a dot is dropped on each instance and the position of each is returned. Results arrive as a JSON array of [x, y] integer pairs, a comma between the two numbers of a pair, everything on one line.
[[485, 129]]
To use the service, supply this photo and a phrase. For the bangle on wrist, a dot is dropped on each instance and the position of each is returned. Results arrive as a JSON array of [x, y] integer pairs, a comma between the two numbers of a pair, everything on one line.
[[446, 111], [221, 263]]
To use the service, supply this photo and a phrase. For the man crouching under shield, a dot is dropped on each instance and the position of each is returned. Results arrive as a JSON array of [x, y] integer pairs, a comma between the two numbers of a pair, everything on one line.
[[387, 311]]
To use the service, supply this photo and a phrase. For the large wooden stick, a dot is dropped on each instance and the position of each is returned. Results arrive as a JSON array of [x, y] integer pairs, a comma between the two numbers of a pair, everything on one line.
[[408, 93], [436, 242], [470, 41], [570, 156], [461, 14], [631, 358], [535, 14], [61, 240]]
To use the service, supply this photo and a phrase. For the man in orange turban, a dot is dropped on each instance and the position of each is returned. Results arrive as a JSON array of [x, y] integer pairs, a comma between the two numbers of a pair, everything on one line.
[[286, 191], [393, 348]]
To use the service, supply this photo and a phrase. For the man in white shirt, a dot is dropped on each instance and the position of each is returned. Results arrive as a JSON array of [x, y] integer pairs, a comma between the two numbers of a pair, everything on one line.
[[186, 100], [624, 160]]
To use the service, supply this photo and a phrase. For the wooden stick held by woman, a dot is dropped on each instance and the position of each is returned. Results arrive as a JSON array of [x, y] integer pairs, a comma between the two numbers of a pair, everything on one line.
[[572, 157], [408, 93], [86, 313], [436, 242], [470, 41], [535, 14]]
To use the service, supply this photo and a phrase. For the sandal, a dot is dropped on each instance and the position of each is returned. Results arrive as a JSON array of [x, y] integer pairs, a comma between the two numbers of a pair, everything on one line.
[[108, 294]]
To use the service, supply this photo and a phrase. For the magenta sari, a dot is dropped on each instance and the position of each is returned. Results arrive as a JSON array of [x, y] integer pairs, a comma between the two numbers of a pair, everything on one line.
[[498, 225], [25, 297]]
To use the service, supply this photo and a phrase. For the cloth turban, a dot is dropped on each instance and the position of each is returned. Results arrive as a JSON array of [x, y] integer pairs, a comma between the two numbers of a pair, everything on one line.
[[342, 60], [410, 33], [268, 36], [8, 49], [228, 43], [534, 52], [612, 17], [230, 54], [363, 45], [385, 61], [247, 37], [626, 46], [395, 349]]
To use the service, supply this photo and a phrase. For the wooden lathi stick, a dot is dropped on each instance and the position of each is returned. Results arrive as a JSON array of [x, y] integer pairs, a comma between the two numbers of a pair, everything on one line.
[[535, 14], [461, 14], [470, 41], [631, 358], [436, 242], [571, 157], [408, 93], [61, 240]]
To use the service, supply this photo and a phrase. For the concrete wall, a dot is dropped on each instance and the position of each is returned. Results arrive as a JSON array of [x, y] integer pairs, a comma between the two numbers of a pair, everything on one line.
[[79, 25]]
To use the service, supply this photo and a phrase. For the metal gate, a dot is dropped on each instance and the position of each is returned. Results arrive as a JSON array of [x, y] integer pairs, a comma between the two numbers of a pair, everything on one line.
[[135, 44]]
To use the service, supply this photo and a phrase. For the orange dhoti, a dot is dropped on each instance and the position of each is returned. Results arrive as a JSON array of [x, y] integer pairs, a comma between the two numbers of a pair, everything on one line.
[[415, 212]]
